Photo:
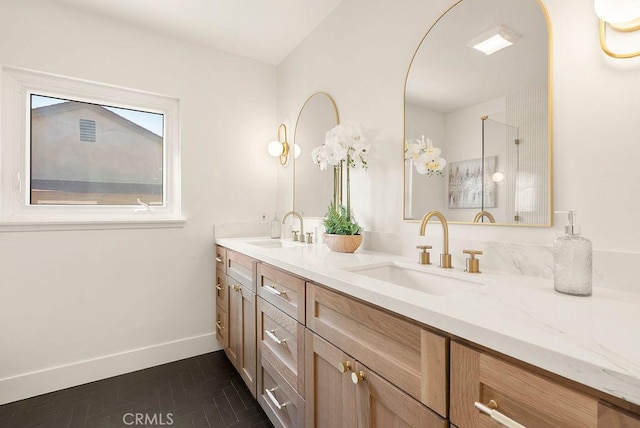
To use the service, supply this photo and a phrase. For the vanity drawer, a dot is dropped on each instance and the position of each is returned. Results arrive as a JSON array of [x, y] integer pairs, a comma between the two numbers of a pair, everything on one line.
[[281, 341], [409, 356], [241, 268], [526, 397], [222, 291], [222, 326], [221, 257], [282, 290], [279, 400]]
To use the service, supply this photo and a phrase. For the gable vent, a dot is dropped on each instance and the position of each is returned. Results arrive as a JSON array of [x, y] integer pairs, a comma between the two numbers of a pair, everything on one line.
[[87, 130]]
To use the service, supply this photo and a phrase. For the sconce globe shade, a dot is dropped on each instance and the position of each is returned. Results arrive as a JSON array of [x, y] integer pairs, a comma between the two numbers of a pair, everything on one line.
[[296, 151], [617, 11], [275, 148], [497, 177]]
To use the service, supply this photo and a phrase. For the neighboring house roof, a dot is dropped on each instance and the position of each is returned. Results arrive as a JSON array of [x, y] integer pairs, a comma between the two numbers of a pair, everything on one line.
[[74, 105]]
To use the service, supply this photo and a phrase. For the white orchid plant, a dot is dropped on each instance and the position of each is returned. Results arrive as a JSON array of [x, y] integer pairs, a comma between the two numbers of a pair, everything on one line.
[[344, 144], [425, 156]]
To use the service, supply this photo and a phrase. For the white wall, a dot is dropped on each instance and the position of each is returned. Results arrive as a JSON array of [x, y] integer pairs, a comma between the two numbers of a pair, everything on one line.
[[72, 296], [360, 55]]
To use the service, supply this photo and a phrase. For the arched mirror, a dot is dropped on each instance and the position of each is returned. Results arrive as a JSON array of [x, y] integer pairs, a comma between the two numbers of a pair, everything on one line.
[[477, 131], [313, 188]]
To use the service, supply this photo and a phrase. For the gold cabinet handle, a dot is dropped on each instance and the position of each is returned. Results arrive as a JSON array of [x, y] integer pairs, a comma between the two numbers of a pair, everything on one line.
[[237, 287], [273, 399], [219, 325], [344, 366], [490, 410], [357, 377], [273, 337], [218, 287], [219, 259], [273, 290]]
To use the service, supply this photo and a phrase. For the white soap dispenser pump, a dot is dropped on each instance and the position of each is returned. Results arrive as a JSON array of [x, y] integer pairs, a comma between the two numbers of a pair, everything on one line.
[[572, 255]]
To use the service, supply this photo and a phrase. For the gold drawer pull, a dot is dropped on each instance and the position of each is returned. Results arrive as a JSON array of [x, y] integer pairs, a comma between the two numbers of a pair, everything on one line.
[[490, 410], [357, 377], [344, 366], [274, 291], [218, 287], [274, 337], [273, 399], [237, 287], [219, 259], [219, 325]]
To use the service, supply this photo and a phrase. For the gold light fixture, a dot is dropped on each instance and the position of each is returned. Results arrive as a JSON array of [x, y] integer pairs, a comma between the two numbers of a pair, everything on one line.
[[280, 148], [622, 16]]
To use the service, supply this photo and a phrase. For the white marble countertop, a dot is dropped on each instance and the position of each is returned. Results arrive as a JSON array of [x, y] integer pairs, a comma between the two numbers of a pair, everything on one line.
[[591, 340]]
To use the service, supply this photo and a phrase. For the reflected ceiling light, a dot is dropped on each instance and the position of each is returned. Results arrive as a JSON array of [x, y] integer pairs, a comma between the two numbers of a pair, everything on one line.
[[493, 40], [622, 16], [280, 147], [497, 177]]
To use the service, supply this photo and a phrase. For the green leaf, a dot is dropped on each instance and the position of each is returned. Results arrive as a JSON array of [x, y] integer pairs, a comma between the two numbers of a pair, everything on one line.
[[339, 222]]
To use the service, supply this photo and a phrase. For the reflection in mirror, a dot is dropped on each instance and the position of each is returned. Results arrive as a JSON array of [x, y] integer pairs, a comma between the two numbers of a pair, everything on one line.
[[484, 117], [313, 188]]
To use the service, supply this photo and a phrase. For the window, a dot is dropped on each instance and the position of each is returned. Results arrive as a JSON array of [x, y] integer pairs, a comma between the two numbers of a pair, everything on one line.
[[76, 151]]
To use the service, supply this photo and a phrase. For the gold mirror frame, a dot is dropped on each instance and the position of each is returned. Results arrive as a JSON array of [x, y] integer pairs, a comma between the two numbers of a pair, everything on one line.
[[549, 129], [337, 178]]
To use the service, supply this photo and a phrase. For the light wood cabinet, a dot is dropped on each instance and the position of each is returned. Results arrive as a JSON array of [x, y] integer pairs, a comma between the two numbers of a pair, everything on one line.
[[407, 355], [236, 312], [221, 258], [407, 375], [281, 379], [280, 401], [612, 417], [529, 398], [329, 391], [242, 333], [334, 399], [283, 290], [281, 341]]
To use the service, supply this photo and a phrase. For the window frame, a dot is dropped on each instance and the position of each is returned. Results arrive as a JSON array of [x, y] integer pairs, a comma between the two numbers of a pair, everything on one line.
[[16, 211]]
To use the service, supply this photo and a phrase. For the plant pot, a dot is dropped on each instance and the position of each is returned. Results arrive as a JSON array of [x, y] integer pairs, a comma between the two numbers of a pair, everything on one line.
[[342, 243]]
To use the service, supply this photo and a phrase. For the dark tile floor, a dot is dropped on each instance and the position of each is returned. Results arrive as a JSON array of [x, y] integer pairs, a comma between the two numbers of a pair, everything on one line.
[[203, 391]]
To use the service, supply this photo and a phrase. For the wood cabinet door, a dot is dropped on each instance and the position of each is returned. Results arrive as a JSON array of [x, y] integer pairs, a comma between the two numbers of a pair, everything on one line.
[[380, 404], [612, 417], [399, 350], [329, 392], [222, 327], [247, 358], [234, 317], [516, 392]]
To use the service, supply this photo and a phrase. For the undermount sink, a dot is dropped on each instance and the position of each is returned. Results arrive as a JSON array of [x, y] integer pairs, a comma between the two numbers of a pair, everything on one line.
[[415, 278], [272, 243]]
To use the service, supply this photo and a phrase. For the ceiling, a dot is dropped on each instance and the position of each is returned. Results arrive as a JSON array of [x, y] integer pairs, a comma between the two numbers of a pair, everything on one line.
[[265, 30], [446, 75]]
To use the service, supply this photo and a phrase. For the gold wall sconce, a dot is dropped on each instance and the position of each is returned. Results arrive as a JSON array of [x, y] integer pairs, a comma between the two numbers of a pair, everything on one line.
[[280, 148], [622, 16]]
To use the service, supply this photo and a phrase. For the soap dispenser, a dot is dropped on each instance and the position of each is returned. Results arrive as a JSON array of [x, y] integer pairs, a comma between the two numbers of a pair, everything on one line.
[[572, 257]]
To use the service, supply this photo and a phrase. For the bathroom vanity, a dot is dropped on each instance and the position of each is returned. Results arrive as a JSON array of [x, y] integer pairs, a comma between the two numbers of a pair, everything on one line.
[[370, 339]]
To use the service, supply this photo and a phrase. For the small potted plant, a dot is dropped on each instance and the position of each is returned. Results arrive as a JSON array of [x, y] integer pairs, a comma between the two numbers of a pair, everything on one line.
[[344, 146], [342, 231]]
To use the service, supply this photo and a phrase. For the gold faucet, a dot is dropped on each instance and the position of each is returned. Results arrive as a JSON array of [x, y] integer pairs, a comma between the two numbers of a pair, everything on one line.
[[295, 214], [445, 257], [486, 214]]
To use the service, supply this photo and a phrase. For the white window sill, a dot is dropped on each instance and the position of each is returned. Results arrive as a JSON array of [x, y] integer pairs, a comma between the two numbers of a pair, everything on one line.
[[91, 225]]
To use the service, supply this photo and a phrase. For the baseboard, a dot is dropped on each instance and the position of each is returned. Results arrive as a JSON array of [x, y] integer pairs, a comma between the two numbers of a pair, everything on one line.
[[65, 376]]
